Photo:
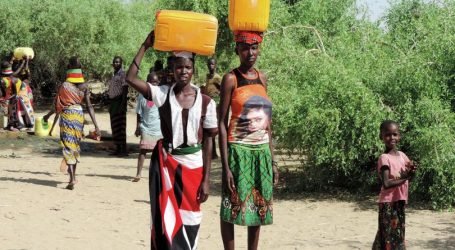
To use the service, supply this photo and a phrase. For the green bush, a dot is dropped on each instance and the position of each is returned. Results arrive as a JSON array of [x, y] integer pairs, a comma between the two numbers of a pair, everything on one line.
[[333, 82], [95, 31]]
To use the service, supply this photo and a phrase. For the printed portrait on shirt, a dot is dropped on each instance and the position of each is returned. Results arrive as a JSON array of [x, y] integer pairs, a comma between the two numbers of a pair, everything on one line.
[[254, 120]]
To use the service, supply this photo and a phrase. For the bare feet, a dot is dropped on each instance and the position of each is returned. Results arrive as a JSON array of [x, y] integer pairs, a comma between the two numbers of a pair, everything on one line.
[[70, 185], [136, 179]]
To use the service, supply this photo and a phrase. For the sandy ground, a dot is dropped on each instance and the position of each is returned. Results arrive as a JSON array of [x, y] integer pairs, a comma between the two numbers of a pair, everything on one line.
[[108, 211]]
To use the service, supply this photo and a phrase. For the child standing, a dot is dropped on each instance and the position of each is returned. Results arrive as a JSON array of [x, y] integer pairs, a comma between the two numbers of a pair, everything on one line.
[[148, 125], [395, 170]]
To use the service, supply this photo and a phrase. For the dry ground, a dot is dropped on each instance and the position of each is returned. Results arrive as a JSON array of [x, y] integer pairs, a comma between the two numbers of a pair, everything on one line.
[[108, 211]]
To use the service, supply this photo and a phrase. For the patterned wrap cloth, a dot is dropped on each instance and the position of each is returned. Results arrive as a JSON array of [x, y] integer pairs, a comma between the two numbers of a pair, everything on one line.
[[251, 204], [71, 127], [68, 106], [17, 96], [391, 231]]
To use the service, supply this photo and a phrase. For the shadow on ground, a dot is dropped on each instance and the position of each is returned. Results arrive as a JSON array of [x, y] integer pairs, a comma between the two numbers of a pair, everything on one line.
[[441, 243], [50, 146], [29, 172], [40, 182], [115, 177]]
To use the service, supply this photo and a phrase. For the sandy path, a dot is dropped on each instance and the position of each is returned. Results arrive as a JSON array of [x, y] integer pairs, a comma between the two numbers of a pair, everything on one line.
[[107, 211]]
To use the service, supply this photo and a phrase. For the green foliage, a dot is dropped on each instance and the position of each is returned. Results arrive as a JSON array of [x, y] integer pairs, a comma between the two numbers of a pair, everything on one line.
[[96, 31], [333, 79], [332, 76]]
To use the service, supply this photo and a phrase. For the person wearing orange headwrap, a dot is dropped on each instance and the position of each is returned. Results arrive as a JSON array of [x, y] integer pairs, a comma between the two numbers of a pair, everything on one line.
[[248, 165]]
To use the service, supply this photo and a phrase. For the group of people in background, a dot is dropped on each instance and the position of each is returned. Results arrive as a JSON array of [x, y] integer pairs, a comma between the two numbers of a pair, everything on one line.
[[16, 95]]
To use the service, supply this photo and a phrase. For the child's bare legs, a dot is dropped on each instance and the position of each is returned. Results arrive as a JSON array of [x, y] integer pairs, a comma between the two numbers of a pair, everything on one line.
[[72, 174], [227, 234], [140, 164], [253, 237]]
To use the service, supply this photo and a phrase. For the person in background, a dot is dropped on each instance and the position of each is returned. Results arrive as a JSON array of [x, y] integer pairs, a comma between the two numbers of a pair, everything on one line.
[[249, 170], [395, 170], [16, 95], [118, 96], [22, 71], [213, 81], [188, 123], [168, 72], [70, 96], [148, 125], [154, 79], [158, 68], [212, 89]]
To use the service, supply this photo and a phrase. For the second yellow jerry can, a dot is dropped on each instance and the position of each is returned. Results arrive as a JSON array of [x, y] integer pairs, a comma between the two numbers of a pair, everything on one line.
[[251, 15]]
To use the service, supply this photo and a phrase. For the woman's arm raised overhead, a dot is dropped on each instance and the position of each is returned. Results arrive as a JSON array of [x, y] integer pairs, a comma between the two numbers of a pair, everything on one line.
[[131, 77]]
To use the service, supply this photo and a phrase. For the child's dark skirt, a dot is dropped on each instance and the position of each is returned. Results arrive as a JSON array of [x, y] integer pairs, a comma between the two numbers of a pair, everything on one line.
[[391, 230]]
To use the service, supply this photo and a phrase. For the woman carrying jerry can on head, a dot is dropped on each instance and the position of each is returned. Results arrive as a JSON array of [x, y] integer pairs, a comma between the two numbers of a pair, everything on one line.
[[248, 164], [249, 168], [180, 165]]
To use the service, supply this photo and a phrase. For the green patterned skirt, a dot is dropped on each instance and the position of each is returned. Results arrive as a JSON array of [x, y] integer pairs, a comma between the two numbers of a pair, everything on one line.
[[251, 203]]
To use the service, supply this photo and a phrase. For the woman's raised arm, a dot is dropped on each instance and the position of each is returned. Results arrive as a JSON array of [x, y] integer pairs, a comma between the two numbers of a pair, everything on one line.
[[131, 76]]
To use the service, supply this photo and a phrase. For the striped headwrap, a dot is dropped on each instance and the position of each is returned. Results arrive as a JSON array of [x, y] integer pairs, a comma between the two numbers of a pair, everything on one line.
[[249, 37], [7, 71], [74, 76]]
